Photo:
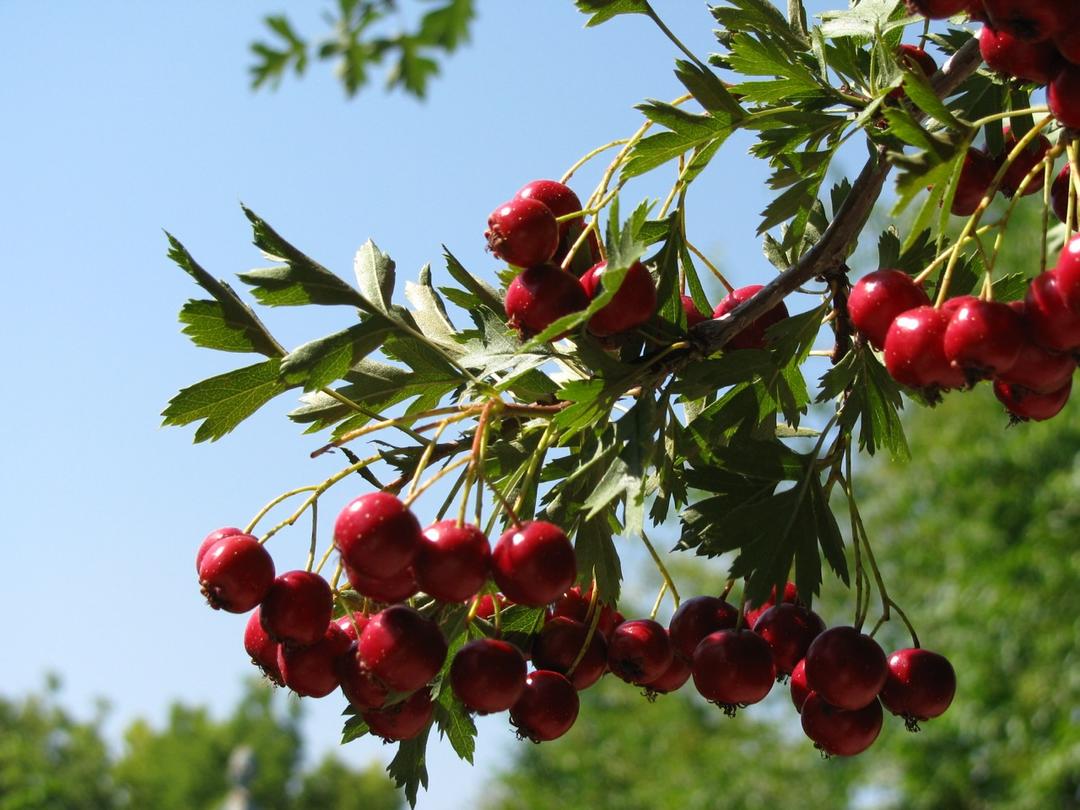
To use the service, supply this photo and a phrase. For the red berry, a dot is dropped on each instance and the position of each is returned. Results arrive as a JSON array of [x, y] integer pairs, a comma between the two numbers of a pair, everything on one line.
[[915, 350], [846, 668], [1031, 157], [936, 9], [1067, 271], [633, 304], [878, 297], [539, 296], [1051, 322], [693, 314], [310, 671], [789, 630], [677, 674], [1063, 96], [753, 336], [840, 732], [401, 721], [235, 573], [733, 668], [485, 609], [920, 686], [387, 590], [799, 690], [533, 563], [262, 649], [360, 687], [488, 675], [1059, 196], [212, 538], [976, 175], [453, 562], [915, 58], [523, 232], [575, 605], [1032, 20], [402, 649], [1067, 41], [1037, 62], [696, 618], [352, 624], [557, 647], [1038, 369], [640, 651], [791, 594], [559, 198], [547, 708], [377, 535], [1026, 405], [297, 608], [984, 338]]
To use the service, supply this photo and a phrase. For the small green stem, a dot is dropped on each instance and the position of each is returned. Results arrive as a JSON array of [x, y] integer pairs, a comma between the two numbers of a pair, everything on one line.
[[659, 600], [712, 267], [314, 534], [671, 35], [589, 156], [664, 574], [434, 479], [282, 497]]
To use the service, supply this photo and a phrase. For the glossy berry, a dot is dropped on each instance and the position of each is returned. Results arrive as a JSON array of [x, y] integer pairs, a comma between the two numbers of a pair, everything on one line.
[[401, 721], [352, 624], [311, 671], [915, 350], [976, 175], [1038, 369], [402, 649], [677, 674], [533, 563], [791, 594], [1025, 163], [920, 686], [1059, 196], [547, 708], [1067, 271], [235, 573], [377, 535], [1051, 322], [387, 590], [984, 338], [694, 315], [1004, 53], [846, 668], [789, 631], [1032, 20], [485, 608], [696, 618], [840, 732], [453, 562], [212, 538], [632, 305], [1025, 405], [523, 232], [359, 685], [878, 297], [936, 9], [733, 668], [1063, 96], [261, 648], [799, 690], [640, 651], [297, 608], [753, 336], [488, 675], [575, 605], [539, 296], [559, 199], [557, 647]]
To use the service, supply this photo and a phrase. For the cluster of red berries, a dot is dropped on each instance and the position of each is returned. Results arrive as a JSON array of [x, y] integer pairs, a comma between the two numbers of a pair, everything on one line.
[[1026, 347]]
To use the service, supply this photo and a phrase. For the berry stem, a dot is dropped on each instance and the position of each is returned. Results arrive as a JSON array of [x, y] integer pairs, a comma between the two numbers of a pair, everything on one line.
[[405, 419], [589, 156], [659, 600], [282, 497], [712, 267], [425, 457], [594, 622], [534, 464], [424, 487], [314, 535], [661, 568]]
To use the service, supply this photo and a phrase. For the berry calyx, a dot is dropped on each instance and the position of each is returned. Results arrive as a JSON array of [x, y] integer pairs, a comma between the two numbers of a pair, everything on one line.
[[488, 675], [753, 336], [1024, 405], [557, 647], [983, 338], [311, 671], [523, 232], [789, 630], [453, 561], [547, 708], [915, 351], [559, 198], [402, 649], [841, 732], [632, 305], [920, 686], [401, 721], [297, 608], [640, 651], [846, 668], [533, 563], [733, 668], [539, 296], [235, 573], [878, 297], [696, 618], [262, 649], [377, 535]]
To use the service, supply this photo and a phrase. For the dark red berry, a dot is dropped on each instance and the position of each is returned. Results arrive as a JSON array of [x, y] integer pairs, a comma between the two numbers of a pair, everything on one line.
[[799, 690], [235, 573], [753, 336], [1067, 42], [401, 721], [936, 9], [533, 563], [1032, 20], [539, 296], [696, 618], [1019, 169], [387, 590], [453, 562], [976, 175], [1059, 196], [485, 607], [915, 350], [677, 674], [1038, 369], [557, 647], [846, 668], [297, 608], [575, 605], [1063, 96], [559, 198], [789, 631], [262, 649], [523, 232], [733, 668], [1035, 62], [1051, 322], [1067, 271], [377, 535], [212, 538], [352, 624], [878, 297], [640, 651], [1026, 405], [920, 686], [694, 315], [791, 595], [914, 58], [360, 687], [402, 649], [984, 338], [488, 675], [633, 304], [310, 671], [840, 732], [547, 708]]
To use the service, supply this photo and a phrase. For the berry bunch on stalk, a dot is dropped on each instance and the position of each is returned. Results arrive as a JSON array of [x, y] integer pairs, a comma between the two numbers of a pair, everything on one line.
[[594, 391]]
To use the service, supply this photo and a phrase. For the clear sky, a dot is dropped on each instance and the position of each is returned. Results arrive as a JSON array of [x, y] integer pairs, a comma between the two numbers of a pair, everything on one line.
[[126, 118]]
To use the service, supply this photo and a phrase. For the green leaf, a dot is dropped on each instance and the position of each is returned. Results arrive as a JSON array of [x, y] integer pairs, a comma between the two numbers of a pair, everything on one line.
[[224, 401], [707, 89], [594, 546], [865, 19], [321, 362], [603, 10], [484, 293], [448, 26], [408, 768], [762, 17], [456, 724], [873, 401], [521, 619], [918, 89], [430, 313], [374, 276], [355, 728]]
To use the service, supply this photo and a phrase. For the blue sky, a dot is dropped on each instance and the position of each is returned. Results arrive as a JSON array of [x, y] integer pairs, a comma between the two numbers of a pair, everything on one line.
[[124, 119]]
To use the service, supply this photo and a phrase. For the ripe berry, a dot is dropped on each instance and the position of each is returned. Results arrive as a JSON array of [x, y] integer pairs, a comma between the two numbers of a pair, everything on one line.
[[488, 675], [1032, 20], [1067, 42], [696, 618], [1059, 196], [360, 687], [633, 304], [920, 686], [547, 708], [377, 535], [297, 608], [533, 563], [1031, 157], [575, 605], [1063, 96], [262, 649], [557, 647], [401, 721], [753, 336], [799, 690], [677, 674], [310, 671], [1035, 62], [402, 649], [976, 175], [791, 594], [936, 9], [540, 295], [983, 338], [453, 562], [485, 607], [1067, 271], [840, 732], [733, 668], [559, 198], [1038, 369], [235, 573], [913, 57], [387, 590], [878, 297], [352, 624], [522, 232], [1025, 405], [915, 350], [1050, 320], [212, 538], [789, 631], [846, 668], [693, 314], [640, 651]]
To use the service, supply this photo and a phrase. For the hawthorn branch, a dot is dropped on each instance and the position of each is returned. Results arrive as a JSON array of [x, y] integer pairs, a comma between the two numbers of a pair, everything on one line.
[[832, 250]]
